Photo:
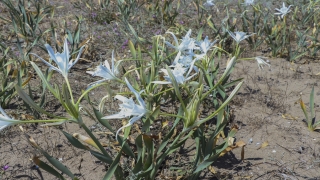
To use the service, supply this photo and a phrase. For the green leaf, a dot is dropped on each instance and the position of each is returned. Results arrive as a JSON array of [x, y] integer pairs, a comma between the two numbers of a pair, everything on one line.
[[113, 167], [200, 34], [40, 74], [75, 142], [211, 159], [101, 157], [57, 164], [47, 168], [312, 105], [225, 103], [72, 108], [29, 101], [104, 122], [132, 49], [167, 138], [176, 87]]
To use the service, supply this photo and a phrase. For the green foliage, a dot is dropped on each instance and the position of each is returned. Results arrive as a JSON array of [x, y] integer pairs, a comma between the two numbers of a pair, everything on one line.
[[312, 123], [12, 72], [150, 155], [26, 24]]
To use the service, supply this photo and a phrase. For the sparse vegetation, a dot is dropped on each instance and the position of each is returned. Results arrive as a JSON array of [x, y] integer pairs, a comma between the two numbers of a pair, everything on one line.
[[155, 89]]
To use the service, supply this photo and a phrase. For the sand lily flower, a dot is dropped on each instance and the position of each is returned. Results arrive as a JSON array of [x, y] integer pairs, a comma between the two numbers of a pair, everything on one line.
[[283, 10], [185, 61], [128, 108], [239, 36], [6, 121], [248, 2], [187, 43], [61, 59], [261, 62], [205, 45], [178, 72], [208, 3], [104, 71]]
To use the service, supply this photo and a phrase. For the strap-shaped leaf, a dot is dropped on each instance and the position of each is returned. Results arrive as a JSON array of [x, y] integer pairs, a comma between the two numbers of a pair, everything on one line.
[[74, 141], [57, 164], [112, 169], [312, 106], [167, 138], [105, 123], [210, 159], [29, 101], [176, 87], [47, 168], [73, 110], [132, 50], [225, 103], [40, 74], [101, 157]]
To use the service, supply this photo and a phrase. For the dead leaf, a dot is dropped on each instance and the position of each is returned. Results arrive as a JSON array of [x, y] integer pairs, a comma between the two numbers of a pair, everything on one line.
[[242, 153], [26, 117], [137, 128], [289, 117], [88, 140], [179, 177], [263, 145], [165, 123], [292, 69], [236, 145], [174, 133], [211, 169], [230, 141]]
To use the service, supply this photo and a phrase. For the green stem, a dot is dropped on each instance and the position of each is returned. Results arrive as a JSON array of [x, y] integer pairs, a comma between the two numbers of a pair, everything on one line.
[[69, 88], [87, 91], [163, 91], [42, 121]]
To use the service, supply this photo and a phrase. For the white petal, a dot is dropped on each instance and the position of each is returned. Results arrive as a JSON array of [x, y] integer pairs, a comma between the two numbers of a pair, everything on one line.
[[140, 100], [50, 52], [77, 59], [65, 55], [48, 64], [121, 98], [114, 116], [161, 82]]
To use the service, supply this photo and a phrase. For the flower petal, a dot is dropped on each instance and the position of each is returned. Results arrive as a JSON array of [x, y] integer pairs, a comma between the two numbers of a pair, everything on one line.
[[51, 52], [77, 59], [114, 116], [65, 54], [48, 64], [140, 100]]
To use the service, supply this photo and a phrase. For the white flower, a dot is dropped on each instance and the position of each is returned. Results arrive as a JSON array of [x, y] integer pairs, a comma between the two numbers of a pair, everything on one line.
[[5, 120], [262, 62], [283, 10], [129, 108], [61, 59], [239, 36], [209, 3], [205, 45], [105, 72], [185, 61], [187, 43], [248, 2], [178, 73]]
